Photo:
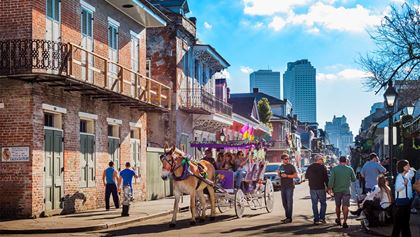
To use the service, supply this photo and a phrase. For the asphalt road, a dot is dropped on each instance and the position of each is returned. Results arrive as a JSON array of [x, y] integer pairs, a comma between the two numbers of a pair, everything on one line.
[[254, 223]]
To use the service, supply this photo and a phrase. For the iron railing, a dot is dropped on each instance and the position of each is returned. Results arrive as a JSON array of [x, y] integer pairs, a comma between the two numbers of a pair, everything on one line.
[[201, 101], [34, 56]]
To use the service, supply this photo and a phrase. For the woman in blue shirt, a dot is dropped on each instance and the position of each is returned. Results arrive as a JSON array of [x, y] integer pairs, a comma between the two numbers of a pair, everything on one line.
[[403, 198]]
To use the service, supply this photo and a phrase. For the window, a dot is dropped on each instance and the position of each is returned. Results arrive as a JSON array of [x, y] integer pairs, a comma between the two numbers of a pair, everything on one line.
[[48, 120], [113, 36], [135, 148], [53, 9], [87, 21], [83, 124], [113, 130], [148, 68]]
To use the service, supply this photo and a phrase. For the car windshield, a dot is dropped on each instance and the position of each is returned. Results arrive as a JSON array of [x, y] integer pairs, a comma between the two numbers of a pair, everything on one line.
[[272, 168]]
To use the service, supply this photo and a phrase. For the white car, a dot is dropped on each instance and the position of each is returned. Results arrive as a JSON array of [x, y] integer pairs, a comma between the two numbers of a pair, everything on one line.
[[271, 173]]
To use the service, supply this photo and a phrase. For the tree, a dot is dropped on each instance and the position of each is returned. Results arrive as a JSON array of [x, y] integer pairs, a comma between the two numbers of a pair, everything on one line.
[[264, 110], [397, 56]]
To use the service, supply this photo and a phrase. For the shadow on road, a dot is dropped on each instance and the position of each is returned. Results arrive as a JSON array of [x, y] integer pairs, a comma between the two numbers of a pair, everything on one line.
[[164, 227]]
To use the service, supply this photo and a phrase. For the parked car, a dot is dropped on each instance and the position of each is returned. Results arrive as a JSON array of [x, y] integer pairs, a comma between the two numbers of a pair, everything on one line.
[[271, 173]]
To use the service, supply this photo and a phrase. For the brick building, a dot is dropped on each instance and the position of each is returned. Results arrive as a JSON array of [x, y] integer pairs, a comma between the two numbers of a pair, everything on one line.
[[191, 67], [73, 96]]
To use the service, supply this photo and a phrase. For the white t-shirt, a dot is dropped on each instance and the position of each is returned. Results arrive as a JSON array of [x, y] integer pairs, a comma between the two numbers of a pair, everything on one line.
[[378, 193]]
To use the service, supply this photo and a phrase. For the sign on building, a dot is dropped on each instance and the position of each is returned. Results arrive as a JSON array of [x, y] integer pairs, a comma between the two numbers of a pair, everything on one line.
[[14, 154]]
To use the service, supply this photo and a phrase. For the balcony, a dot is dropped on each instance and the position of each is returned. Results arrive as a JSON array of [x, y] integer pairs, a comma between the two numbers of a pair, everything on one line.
[[278, 146], [198, 101], [69, 66]]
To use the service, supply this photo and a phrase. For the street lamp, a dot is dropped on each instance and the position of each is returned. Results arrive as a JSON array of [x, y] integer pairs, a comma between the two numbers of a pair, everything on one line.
[[390, 96], [222, 136], [410, 109]]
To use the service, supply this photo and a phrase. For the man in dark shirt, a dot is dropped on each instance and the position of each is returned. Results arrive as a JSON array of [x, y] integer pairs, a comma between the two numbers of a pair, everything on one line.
[[318, 182], [287, 173]]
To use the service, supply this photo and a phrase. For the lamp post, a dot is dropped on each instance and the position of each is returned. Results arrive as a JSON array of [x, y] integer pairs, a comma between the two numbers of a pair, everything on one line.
[[222, 136], [410, 110], [390, 96]]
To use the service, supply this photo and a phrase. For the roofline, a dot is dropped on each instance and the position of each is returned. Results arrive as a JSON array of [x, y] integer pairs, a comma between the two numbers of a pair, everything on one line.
[[153, 11]]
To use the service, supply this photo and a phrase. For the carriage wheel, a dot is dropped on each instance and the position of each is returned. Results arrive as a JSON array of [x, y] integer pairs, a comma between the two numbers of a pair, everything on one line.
[[223, 204], [239, 203], [269, 196]]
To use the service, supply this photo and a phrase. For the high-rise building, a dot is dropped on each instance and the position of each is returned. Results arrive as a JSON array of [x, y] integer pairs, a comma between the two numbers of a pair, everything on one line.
[[300, 89], [338, 133], [266, 81]]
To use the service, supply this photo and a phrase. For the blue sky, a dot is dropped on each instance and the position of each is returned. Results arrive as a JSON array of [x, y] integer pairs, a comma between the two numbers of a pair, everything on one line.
[[261, 34]]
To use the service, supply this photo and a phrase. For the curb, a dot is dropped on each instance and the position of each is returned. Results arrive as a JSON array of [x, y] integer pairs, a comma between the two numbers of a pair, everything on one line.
[[87, 228]]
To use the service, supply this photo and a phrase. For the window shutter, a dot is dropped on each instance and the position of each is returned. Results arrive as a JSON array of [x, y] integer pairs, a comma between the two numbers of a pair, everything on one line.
[[91, 161], [83, 173]]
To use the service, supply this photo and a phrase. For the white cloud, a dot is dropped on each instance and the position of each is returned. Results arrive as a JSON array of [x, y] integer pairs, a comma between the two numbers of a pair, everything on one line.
[[207, 25], [346, 74], [277, 24], [336, 18], [318, 17], [259, 25], [270, 7], [246, 69]]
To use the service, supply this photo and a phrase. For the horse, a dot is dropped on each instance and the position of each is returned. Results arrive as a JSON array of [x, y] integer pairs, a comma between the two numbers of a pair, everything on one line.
[[187, 180]]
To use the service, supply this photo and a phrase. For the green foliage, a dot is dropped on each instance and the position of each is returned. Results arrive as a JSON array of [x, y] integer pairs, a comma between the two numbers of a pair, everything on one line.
[[264, 110]]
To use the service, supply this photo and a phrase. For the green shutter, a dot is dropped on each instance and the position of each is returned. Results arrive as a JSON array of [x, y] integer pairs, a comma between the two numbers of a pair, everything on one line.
[[114, 151], [91, 167], [48, 150], [83, 162]]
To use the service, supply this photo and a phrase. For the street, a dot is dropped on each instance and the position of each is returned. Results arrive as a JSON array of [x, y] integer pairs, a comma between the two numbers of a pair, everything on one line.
[[254, 223]]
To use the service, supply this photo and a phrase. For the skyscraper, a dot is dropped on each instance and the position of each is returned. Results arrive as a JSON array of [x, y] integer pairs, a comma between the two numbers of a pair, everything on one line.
[[266, 81], [338, 133], [300, 89]]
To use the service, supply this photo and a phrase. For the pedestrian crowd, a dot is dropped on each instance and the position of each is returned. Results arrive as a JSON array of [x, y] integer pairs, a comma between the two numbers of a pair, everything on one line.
[[379, 205]]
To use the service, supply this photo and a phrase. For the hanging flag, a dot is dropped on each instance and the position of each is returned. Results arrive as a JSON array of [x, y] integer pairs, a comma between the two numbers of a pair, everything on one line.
[[244, 129]]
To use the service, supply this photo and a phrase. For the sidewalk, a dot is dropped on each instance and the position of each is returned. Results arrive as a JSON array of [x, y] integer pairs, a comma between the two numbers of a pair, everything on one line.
[[92, 220], [387, 230]]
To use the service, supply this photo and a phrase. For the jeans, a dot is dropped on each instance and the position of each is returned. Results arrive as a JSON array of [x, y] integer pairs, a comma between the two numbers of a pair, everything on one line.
[[111, 189], [319, 196], [239, 176], [287, 200]]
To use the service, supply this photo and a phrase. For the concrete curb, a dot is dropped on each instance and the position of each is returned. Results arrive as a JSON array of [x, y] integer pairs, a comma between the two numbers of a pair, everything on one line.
[[87, 228]]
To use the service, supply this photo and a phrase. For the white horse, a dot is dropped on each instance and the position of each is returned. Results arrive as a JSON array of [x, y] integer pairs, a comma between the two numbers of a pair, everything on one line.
[[185, 174]]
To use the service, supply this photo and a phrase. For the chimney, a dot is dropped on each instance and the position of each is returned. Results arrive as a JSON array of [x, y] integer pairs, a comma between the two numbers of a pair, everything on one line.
[[255, 90], [193, 20]]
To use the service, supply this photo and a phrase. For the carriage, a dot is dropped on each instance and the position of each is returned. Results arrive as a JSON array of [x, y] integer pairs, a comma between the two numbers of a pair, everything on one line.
[[254, 192]]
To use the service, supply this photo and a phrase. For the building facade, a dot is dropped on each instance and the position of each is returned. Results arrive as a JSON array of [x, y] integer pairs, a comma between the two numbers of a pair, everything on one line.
[[74, 97], [266, 81], [191, 67], [299, 82], [339, 134]]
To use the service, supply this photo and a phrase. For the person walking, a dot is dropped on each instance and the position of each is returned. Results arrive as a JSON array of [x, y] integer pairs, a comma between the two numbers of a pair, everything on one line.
[[287, 173], [370, 172], [126, 178], [318, 182], [403, 198], [110, 180], [341, 178]]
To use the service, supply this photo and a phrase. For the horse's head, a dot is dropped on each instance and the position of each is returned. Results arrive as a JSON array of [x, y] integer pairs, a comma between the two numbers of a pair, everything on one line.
[[171, 159]]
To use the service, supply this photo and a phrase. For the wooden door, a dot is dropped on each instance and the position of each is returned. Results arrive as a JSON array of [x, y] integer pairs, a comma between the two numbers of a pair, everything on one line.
[[54, 168]]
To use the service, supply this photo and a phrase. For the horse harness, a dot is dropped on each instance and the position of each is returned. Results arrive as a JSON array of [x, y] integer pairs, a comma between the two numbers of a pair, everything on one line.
[[185, 164]]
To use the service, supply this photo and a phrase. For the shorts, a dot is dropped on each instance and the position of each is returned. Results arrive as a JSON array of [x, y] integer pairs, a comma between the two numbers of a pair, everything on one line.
[[342, 199]]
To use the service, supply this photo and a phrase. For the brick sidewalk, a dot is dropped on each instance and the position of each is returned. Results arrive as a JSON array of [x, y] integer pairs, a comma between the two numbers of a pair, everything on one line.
[[93, 219]]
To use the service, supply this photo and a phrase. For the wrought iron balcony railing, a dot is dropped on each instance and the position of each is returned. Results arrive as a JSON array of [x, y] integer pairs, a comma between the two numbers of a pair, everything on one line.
[[25, 58], [202, 102]]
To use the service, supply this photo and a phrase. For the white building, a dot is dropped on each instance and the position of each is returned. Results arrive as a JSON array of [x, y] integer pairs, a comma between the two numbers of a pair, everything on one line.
[[338, 133]]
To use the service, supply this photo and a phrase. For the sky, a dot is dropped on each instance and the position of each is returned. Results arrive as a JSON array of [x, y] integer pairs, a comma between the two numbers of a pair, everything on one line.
[[266, 34]]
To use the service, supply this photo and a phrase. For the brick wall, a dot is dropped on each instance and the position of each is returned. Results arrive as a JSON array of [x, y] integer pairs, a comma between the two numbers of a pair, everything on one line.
[[22, 184], [15, 19], [15, 130]]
